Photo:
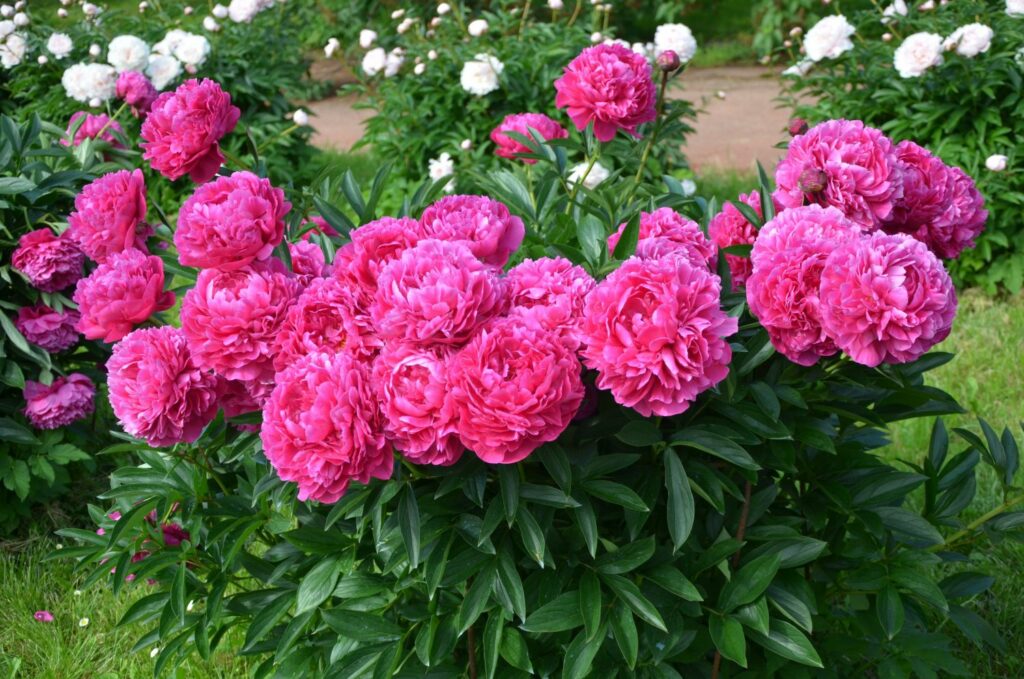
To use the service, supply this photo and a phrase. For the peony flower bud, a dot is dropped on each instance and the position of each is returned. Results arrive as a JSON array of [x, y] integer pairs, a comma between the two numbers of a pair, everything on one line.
[[443, 8], [813, 180], [466, 144], [596, 37], [887, 37], [42, 59], [797, 126], [432, 54], [300, 117], [669, 61], [996, 162], [210, 24], [94, 50], [21, 20], [62, 13], [418, 69], [796, 32], [555, 4], [219, 11], [398, 14], [187, 10], [477, 27]]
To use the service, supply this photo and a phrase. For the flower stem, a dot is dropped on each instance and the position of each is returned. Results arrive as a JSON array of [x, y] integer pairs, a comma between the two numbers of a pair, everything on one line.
[[977, 523], [591, 161], [575, 13], [233, 158], [110, 121], [280, 135], [526, 13], [654, 135]]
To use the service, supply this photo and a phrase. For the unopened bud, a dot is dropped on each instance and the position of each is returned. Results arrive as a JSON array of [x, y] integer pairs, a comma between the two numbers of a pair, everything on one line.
[[797, 126], [669, 61], [813, 180]]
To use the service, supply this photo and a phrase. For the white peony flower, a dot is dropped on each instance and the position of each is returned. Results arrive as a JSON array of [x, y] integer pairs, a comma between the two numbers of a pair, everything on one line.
[[887, 37], [170, 42], [219, 11], [405, 25], [21, 20], [555, 4], [127, 53], [676, 37], [6, 11], [480, 75], [210, 24], [419, 69], [970, 40], [829, 38], [331, 47], [917, 54], [375, 61], [897, 8], [90, 10], [443, 8], [59, 45], [162, 70], [441, 167], [85, 82], [243, 11], [597, 174], [300, 117], [1015, 8], [996, 162], [926, 6], [12, 50], [366, 38], [95, 50], [192, 49], [800, 68], [477, 27], [393, 63]]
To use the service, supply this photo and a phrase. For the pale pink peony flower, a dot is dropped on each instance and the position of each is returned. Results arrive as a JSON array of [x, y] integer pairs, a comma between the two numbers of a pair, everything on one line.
[[121, 294], [782, 291], [666, 232], [655, 333], [373, 246], [886, 298], [485, 225], [325, 317], [514, 387], [52, 330], [522, 123], [59, 404], [729, 227], [609, 86], [181, 134], [231, 222], [93, 127], [323, 428], [136, 90], [845, 164], [231, 318], [50, 263], [308, 261], [552, 291], [436, 293], [110, 215], [411, 384]]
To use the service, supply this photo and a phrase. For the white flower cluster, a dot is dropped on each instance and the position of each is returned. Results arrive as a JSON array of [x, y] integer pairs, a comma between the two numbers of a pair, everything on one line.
[[441, 167], [90, 83], [970, 40], [480, 75], [829, 38], [13, 45], [242, 11], [378, 60], [677, 38]]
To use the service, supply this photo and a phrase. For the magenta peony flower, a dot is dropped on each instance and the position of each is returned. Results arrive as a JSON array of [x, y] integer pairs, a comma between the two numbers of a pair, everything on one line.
[[729, 227], [845, 164], [436, 293], [522, 123], [231, 319], [43, 616], [485, 225], [231, 222], [665, 232], [182, 131], [962, 222], [319, 225], [52, 330], [308, 261], [886, 299], [411, 385], [236, 399], [121, 294], [609, 86], [157, 391], [654, 332], [782, 291], [322, 426], [373, 246], [93, 127], [551, 290], [514, 387], [174, 534], [50, 263], [110, 215], [135, 89], [59, 404], [325, 317]]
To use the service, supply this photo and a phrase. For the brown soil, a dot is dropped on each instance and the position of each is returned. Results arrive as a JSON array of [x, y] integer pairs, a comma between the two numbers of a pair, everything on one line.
[[732, 132]]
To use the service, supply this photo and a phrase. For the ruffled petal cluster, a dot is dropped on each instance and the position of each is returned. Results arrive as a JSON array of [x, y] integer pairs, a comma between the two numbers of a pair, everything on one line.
[[523, 123], [729, 227], [486, 226], [110, 215], [49, 262], [48, 328], [66, 400]]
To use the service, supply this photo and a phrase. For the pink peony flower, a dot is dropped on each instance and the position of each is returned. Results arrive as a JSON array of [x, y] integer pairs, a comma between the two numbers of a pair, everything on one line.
[[515, 386], [845, 164], [174, 534], [59, 404], [411, 385], [182, 131], [319, 225], [52, 330], [110, 215], [655, 333], [157, 390], [729, 227], [322, 427], [485, 225], [373, 246], [609, 86], [551, 290], [121, 294], [962, 222], [231, 222], [886, 299], [325, 317], [237, 399], [231, 319], [522, 123], [43, 616], [308, 262], [50, 263], [782, 291], [135, 89], [436, 293], [665, 232], [93, 127]]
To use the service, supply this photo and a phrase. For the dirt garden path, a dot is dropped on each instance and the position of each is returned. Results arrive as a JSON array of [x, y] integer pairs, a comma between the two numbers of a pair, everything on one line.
[[732, 132]]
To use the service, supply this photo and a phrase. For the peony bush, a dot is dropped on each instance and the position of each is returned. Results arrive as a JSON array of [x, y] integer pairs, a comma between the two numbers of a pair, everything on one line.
[[544, 430]]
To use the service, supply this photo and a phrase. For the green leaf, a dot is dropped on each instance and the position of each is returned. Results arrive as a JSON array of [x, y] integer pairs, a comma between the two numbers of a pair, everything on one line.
[[533, 536], [177, 600], [477, 597], [558, 615], [615, 493], [749, 582], [66, 453], [590, 602], [714, 444], [966, 584], [586, 521], [509, 578], [624, 630], [640, 434], [492, 643], [16, 433], [360, 626], [580, 654], [627, 558], [681, 510], [906, 524], [318, 584], [409, 523], [630, 594], [788, 642], [673, 581], [267, 618], [514, 650], [508, 480], [591, 237], [727, 635], [889, 607], [15, 185], [755, 615], [628, 240]]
